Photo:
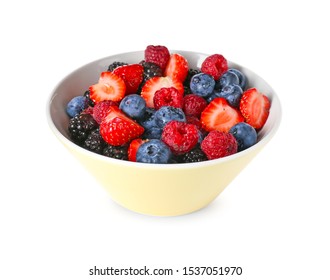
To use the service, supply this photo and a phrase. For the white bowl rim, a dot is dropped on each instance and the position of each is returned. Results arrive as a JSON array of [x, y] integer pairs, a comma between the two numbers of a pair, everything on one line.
[[175, 166]]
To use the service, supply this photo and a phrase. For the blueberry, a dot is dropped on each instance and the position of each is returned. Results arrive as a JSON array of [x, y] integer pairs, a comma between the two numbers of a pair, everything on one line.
[[232, 93], [148, 120], [228, 78], [76, 105], [245, 135], [168, 113], [202, 84], [133, 105], [153, 151], [153, 133], [242, 78]]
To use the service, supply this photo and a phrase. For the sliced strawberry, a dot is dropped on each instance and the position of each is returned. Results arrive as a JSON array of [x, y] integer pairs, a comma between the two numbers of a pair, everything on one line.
[[133, 147], [110, 87], [177, 67], [254, 107], [156, 83], [132, 75], [219, 115], [117, 129]]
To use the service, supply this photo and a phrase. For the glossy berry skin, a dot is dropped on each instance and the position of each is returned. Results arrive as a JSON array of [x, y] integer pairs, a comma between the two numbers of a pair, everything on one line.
[[241, 77], [81, 126], [232, 93], [202, 84], [76, 105], [228, 78], [180, 137], [153, 151], [194, 155], [219, 144], [245, 134], [168, 113], [133, 105]]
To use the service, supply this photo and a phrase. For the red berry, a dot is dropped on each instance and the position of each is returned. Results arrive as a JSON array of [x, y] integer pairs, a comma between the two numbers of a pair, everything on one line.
[[254, 107], [132, 75], [219, 115], [219, 144], [180, 137], [168, 97], [152, 85], [193, 105], [158, 55], [100, 110], [110, 87], [117, 129], [133, 147], [177, 67], [214, 65]]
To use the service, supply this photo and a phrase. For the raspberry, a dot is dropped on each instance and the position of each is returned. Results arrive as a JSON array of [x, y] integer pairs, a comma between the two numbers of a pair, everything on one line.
[[219, 144], [101, 108], [180, 137], [158, 55], [168, 97], [193, 105], [214, 65]]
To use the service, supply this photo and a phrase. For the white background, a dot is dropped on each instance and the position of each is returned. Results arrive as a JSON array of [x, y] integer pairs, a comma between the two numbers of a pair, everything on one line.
[[273, 220]]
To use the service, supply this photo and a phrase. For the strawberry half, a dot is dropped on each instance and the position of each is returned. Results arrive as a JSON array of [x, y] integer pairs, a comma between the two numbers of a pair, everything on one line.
[[219, 115], [132, 75], [117, 129], [133, 147], [110, 87], [254, 107], [177, 67], [156, 83]]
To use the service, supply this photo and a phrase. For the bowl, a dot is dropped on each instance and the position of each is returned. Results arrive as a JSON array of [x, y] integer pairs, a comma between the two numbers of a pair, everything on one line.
[[156, 189]]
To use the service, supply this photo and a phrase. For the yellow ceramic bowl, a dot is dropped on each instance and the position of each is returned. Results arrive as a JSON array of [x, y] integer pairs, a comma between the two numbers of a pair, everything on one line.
[[156, 189]]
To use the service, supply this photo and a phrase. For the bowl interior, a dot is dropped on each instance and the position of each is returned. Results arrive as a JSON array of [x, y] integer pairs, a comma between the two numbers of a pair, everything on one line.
[[79, 80]]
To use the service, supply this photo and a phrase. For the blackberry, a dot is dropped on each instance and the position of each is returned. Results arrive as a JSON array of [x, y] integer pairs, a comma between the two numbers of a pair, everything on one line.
[[95, 142], [90, 102], [186, 83], [150, 70], [115, 65], [80, 127], [195, 155], [117, 152]]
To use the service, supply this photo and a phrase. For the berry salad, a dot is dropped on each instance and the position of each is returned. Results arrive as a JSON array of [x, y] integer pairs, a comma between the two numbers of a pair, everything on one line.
[[160, 110]]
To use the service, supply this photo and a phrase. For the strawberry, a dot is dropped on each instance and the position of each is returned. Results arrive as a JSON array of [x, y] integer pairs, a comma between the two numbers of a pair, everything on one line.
[[133, 147], [117, 129], [110, 87], [219, 115], [254, 107], [132, 75], [177, 67], [156, 83]]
